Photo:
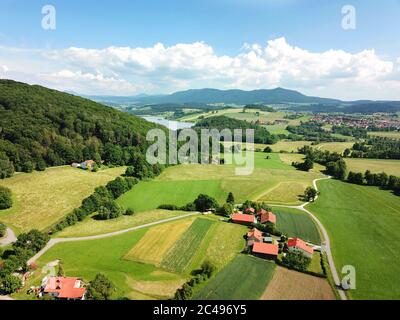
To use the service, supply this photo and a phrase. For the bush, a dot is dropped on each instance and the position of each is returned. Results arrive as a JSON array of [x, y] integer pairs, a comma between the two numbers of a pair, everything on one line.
[[204, 203], [101, 288], [5, 198], [226, 209], [109, 211], [129, 212], [3, 230], [170, 207], [190, 207], [296, 261], [10, 284]]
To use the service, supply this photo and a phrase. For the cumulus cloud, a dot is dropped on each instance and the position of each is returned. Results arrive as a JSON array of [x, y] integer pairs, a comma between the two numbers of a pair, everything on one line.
[[160, 68]]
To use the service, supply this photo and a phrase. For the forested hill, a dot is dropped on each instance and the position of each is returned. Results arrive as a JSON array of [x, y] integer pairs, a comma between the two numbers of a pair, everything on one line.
[[40, 127], [261, 135]]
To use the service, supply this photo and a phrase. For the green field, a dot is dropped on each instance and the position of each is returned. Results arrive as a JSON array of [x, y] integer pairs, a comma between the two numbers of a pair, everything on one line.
[[180, 255], [296, 223], [245, 278], [363, 224], [87, 258], [42, 198], [391, 167], [392, 135]]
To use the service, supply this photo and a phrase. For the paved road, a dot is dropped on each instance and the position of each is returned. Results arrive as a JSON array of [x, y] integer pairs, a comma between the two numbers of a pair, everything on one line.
[[326, 239], [9, 238], [54, 241]]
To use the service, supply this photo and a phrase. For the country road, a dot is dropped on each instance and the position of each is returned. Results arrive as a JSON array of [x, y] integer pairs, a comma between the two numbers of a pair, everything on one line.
[[325, 235], [8, 239], [54, 241]]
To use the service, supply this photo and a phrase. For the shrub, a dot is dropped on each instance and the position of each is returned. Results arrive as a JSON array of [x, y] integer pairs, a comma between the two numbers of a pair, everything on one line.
[[129, 212], [204, 203], [3, 229], [101, 288], [170, 207], [296, 261], [5, 198]]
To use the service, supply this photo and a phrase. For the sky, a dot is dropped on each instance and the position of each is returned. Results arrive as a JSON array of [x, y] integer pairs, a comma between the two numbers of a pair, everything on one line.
[[120, 47]]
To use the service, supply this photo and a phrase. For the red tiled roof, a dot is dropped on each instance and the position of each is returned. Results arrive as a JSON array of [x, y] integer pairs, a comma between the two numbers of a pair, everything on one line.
[[266, 248], [242, 218], [255, 233], [300, 244], [68, 288], [261, 211], [249, 210], [268, 217]]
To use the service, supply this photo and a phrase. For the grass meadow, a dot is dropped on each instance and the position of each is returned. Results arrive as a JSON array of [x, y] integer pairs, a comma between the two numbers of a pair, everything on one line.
[[363, 224], [42, 198], [391, 167], [245, 278]]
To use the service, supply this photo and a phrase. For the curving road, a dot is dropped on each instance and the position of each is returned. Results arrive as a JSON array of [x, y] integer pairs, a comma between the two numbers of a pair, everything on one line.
[[8, 239], [325, 235], [54, 241]]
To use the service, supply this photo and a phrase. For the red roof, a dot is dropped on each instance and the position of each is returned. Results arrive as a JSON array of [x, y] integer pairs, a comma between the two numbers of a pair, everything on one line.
[[268, 217], [261, 211], [300, 244], [68, 288], [266, 248], [255, 233], [237, 217], [249, 210]]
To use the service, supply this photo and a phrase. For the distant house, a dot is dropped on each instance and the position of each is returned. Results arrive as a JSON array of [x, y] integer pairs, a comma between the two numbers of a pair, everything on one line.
[[298, 245], [249, 210], [63, 288], [265, 250], [267, 217], [75, 165], [245, 219], [254, 235], [88, 164]]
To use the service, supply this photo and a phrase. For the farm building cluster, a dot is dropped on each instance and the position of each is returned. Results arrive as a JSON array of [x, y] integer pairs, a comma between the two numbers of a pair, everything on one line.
[[85, 165], [264, 245]]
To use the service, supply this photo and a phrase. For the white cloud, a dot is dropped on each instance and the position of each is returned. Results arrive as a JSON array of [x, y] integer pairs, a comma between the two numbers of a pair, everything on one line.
[[126, 70]]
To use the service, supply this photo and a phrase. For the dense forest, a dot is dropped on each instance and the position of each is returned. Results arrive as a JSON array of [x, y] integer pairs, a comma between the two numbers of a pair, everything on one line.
[[40, 127], [261, 135], [377, 148], [311, 131]]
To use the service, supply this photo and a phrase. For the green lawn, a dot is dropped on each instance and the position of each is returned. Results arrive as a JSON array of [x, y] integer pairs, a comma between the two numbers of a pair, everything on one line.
[[296, 223], [363, 224], [245, 278], [179, 256]]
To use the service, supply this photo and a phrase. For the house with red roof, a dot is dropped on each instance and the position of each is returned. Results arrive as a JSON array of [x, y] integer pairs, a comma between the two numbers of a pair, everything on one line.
[[298, 245], [249, 210], [64, 288], [245, 219], [267, 216], [254, 235], [265, 250]]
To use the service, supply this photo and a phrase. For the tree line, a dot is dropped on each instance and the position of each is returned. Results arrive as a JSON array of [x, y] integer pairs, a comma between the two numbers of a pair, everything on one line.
[[377, 148]]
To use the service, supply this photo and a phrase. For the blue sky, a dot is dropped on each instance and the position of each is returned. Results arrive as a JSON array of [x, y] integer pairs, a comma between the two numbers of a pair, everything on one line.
[[223, 26]]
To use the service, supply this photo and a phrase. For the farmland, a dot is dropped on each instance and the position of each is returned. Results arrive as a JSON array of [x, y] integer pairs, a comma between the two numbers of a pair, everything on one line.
[[230, 284], [291, 285], [296, 223], [180, 255], [363, 224], [391, 134], [42, 198], [374, 165]]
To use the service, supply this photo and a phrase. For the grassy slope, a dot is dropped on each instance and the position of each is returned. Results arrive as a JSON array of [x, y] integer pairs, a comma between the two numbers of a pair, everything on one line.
[[363, 224], [374, 165], [245, 278], [296, 223], [42, 198]]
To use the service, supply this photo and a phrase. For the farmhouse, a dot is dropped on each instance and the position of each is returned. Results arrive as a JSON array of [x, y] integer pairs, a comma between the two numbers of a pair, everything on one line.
[[88, 164], [254, 235], [245, 219], [267, 216], [249, 210], [63, 288], [265, 250], [298, 245]]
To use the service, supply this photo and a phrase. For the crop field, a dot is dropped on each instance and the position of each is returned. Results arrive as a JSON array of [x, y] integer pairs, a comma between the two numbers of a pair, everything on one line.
[[91, 227], [363, 224], [157, 241], [180, 255], [338, 147], [42, 198], [391, 135], [291, 285], [289, 146], [87, 258], [245, 278], [315, 265], [391, 167], [296, 223]]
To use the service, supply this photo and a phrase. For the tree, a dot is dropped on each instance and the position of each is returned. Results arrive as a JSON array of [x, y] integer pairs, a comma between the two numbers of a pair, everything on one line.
[[32, 241], [204, 203], [3, 229], [310, 194], [268, 150], [60, 271], [207, 268], [5, 198], [101, 288], [10, 284], [226, 209], [346, 152], [129, 212], [296, 260], [230, 199]]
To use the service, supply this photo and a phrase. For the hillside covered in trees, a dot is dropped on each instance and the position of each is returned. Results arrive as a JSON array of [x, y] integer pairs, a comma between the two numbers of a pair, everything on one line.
[[40, 127]]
